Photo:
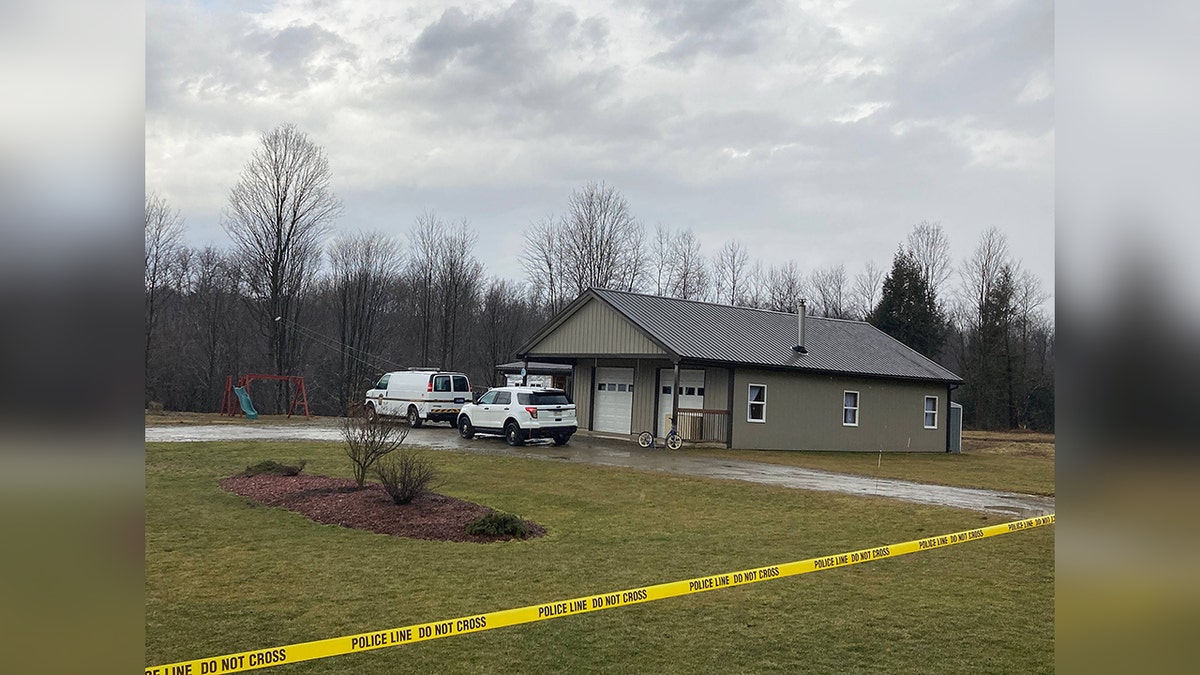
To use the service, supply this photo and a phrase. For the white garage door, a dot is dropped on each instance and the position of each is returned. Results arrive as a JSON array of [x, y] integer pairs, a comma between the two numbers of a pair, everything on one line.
[[614, 400], [691, 394]]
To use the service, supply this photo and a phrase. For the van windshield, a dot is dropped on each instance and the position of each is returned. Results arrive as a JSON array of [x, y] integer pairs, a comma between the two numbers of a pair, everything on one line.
[[383, 381], [461, 384], [543, 398]]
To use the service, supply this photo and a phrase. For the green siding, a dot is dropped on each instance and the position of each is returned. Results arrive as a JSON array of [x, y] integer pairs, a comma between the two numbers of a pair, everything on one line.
[[596, 329], [804, 412], [583, 395]]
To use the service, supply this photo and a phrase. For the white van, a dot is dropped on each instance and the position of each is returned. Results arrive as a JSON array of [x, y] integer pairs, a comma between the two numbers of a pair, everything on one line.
[[419, 395]]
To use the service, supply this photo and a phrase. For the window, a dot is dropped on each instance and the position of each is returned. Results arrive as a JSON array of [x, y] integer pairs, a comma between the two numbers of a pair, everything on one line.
[[383, 381], [756, 408], [461, 384], [543, 398], [600, 386], [699, 391], [689, 391], [441, 383], [666, 389], [931, 403], [488, 398], [621, 387], [503, 398], [850, 408]]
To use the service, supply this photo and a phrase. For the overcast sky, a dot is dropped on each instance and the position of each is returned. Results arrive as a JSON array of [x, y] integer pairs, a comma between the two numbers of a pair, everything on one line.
[[817, 131]]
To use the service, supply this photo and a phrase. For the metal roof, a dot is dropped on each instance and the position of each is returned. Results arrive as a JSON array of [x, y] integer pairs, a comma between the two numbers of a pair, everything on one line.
[[705, 331]]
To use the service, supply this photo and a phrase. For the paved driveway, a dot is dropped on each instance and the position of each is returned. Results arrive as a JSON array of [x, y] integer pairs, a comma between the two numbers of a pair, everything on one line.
[[609, 452]]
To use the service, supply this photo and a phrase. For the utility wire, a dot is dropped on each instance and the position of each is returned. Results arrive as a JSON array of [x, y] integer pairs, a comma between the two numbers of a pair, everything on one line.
[[370, 359]]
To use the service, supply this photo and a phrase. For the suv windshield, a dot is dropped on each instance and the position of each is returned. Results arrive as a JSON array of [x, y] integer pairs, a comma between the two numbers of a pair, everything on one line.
[[543, 398]]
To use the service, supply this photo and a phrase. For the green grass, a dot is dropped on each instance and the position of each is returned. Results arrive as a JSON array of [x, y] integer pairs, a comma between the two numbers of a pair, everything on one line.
[[224, 575], [1011, 461]]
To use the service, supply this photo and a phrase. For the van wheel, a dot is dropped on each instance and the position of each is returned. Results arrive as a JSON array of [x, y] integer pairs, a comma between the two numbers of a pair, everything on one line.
[[464, 427], [513, 434], [414, 418], [372, 416]]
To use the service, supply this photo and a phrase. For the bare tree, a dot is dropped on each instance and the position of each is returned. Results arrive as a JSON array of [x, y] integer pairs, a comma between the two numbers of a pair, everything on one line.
[[929, 247], [660, 254], [542, 260], [784, 287], [730, 272], [980, 273], [279, 211], [459, 279], [361, 267], [424, 240], [830, 289], [367, 442], [164, 228], [601, 240], [688, 271], [867, 285]]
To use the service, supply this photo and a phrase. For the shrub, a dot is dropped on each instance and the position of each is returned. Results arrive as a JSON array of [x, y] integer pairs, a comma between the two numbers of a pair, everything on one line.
[[273, 468], [497, 524], [406, 476], [367, 443]]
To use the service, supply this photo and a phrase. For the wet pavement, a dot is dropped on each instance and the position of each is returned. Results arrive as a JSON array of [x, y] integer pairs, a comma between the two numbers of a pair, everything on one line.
[[586, 449]]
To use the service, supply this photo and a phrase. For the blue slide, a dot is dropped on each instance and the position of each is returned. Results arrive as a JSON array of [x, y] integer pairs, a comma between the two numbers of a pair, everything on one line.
[[247, 406]]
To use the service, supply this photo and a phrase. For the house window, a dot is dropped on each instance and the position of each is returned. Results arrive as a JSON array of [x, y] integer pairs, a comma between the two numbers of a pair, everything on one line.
[[850, 408], [666, 389], [931, 403], [756, 409]]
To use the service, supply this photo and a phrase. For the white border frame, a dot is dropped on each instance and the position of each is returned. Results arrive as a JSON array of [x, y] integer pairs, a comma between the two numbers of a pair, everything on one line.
[[750, 401], [857, 405], [925, 411]]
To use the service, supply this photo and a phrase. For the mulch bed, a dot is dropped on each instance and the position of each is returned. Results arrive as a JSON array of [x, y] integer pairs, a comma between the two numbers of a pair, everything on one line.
[[336, 501]]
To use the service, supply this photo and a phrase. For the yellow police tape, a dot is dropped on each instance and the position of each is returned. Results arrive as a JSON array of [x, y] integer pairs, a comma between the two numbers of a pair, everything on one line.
[[319, 649]]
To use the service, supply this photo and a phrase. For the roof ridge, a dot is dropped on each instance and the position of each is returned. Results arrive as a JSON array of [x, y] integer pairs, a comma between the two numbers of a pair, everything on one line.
[[723, 304]]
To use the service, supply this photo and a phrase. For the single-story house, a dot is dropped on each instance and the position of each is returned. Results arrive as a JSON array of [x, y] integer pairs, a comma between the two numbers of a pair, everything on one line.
[[744, 377]]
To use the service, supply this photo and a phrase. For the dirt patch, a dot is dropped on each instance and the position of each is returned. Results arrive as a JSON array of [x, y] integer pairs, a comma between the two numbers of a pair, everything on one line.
[[336, 501]]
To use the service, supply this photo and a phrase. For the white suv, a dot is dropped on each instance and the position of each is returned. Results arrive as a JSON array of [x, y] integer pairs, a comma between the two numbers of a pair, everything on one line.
[[520, 413]]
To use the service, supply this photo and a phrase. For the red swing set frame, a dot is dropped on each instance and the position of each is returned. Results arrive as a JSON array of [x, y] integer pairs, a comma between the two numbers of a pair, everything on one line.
[[229, 403]]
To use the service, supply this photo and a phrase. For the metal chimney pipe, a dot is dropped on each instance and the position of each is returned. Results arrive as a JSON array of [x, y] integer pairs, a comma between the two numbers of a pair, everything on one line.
[[801, 310]]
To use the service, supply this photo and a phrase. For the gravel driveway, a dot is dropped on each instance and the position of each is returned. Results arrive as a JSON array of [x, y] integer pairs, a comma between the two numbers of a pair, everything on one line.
[[609, 452]]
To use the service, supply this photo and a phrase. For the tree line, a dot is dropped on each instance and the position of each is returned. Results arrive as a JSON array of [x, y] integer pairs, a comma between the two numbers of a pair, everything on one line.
[[291, 296]]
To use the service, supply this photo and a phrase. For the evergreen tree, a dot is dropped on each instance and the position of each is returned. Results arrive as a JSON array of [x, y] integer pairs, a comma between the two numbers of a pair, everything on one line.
[[908, 309]]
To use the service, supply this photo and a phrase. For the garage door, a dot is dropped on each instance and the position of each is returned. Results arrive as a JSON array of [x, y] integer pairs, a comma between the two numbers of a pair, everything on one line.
[[614, 400]]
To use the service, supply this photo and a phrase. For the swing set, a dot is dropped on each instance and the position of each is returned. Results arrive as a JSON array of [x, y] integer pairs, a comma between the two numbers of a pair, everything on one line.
[[241, 394]]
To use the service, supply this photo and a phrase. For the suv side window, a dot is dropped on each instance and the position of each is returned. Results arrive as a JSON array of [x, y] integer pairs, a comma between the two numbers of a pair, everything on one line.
[[503, 397], [488, 398], [441, 383], [461, 384]]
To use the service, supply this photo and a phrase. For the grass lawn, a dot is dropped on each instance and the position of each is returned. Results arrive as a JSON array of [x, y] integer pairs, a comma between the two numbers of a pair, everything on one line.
[[224, 575], [1015, 461]]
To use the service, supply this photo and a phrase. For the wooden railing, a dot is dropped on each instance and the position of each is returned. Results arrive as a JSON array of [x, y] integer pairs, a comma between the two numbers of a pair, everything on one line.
[[698, 424]]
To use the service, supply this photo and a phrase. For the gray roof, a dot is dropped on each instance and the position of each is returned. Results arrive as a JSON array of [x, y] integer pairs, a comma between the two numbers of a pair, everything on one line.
[[705, 331]]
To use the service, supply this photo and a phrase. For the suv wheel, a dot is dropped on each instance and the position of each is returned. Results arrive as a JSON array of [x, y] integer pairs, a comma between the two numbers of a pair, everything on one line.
[[513, 434], [561, 439], [414, 418], [464, 427]]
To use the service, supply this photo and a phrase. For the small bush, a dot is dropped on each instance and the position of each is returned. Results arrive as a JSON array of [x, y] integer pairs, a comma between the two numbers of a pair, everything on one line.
[[273, 468], [496, 524], [406, 476], [367, 443]]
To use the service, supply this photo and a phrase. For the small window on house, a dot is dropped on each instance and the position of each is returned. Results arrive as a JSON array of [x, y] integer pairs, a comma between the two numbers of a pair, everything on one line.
[[690, 391], [699, 391], [599, 386], [850, 408], [621, 386], [756, 409], [931, 411], [666, 389]]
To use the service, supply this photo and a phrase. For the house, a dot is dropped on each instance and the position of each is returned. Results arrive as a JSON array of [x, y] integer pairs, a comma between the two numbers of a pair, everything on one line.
[[744, 377]]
